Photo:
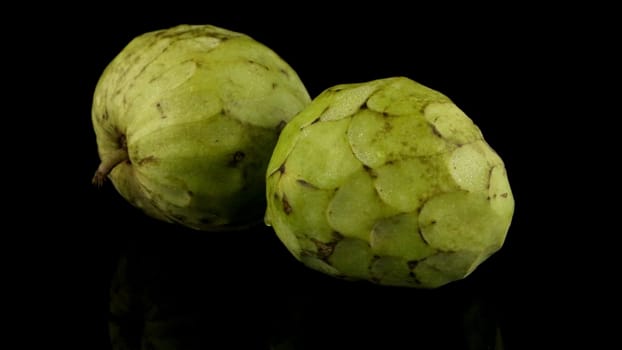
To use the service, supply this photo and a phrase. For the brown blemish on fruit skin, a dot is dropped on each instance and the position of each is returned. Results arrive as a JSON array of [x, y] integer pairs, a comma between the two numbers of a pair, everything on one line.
[[306, 184], [121, 140], [372, 173], [259, 64], [387, 127], [160, 110], [281, 169], [489, 182], [317, 119], [412, 275], [435, 130], [324, 250], [238, 156], [287, 208], [147, 160]]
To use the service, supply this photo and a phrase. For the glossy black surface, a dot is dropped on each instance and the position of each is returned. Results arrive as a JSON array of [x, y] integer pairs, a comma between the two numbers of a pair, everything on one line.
[[242, 291]]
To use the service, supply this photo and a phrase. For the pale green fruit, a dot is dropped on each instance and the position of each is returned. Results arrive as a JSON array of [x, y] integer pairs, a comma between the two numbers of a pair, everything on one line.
[[186, 119], [388, 181]]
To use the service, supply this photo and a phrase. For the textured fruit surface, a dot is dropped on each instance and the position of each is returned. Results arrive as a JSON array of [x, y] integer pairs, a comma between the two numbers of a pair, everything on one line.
[[388, 181], [186, 119]]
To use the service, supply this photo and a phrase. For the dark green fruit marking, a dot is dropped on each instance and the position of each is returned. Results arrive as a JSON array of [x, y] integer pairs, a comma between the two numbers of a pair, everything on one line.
[[206, 220], [422, 236], [280, 126], [387, 127]]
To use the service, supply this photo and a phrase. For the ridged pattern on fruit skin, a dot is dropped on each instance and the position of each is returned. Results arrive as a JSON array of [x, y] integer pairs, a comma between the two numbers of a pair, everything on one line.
[[388, 181], [198, 110]]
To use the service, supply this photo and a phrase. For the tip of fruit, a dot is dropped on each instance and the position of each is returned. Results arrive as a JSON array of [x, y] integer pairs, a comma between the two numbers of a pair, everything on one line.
[[266, 220], [98, 179]]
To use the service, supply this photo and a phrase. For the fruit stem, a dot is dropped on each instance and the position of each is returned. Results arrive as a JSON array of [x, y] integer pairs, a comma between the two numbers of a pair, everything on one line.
[[107, 165]]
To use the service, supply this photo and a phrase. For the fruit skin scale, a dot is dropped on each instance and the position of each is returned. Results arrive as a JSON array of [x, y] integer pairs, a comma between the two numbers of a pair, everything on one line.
[[185, 120], [388, 181]]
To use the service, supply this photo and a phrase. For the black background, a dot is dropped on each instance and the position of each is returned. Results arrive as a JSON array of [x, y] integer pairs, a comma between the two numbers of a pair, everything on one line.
[[512, 70]]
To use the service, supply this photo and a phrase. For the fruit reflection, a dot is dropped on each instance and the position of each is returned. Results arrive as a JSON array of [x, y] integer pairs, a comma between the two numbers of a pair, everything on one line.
[[183, 293]]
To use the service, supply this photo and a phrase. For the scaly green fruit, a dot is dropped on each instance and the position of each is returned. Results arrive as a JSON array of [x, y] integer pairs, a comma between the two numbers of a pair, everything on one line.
[[388, 181], [186, 119]]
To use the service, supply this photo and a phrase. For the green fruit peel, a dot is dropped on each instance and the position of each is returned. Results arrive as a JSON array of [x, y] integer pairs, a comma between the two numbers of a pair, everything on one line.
[[186, 119], [388, 181]]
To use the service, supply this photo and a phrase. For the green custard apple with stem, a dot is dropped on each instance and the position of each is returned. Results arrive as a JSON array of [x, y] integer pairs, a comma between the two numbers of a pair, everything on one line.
[[388, 181], [186, 119]]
